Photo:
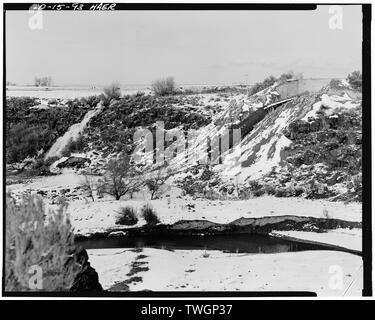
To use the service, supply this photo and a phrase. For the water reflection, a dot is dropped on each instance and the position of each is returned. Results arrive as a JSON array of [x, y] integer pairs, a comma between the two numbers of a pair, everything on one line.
[[236, 243]]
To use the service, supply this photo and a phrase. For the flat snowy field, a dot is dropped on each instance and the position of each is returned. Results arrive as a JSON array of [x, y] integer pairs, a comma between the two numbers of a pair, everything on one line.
[[328, 273], [62, 92]]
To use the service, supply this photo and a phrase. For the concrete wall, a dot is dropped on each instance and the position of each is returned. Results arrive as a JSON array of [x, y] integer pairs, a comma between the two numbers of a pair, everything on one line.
[[293, 88]]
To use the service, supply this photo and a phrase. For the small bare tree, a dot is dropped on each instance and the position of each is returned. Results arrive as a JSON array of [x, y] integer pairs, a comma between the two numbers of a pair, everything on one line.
[[156, 180], [121, 178], [43, 81], [88, 184], [164, 86]]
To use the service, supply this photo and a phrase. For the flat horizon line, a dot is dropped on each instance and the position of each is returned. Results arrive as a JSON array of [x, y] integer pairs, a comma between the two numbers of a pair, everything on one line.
[[149, 85]]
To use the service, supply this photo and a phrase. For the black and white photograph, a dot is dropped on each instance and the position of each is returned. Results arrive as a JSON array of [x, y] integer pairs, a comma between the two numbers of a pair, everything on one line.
[[186, 150]]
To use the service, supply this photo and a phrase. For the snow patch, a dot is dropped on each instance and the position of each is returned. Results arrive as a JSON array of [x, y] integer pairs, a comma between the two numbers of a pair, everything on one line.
[[347, 238], [73, 133], [197, 270], [330, 104]]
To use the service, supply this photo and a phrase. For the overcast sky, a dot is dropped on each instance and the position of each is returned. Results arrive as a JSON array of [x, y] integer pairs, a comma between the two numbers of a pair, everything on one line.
[[196, 47]]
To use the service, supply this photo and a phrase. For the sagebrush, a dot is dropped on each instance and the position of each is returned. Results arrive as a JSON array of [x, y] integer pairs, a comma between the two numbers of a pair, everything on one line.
[[164, 86], [127, 216], [149, 214], [113, 91], [355, 79], [36, 237]]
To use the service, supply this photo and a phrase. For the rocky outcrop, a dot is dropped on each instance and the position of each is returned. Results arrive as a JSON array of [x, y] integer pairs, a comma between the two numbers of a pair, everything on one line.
[[74, 162], [326, 153], [87, 279]]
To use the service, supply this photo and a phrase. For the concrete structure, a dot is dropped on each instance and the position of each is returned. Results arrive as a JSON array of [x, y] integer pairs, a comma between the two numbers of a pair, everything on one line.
[[295, 87]]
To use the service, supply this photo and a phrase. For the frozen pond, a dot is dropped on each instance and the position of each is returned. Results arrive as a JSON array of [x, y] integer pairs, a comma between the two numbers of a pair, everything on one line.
[[240, 243]]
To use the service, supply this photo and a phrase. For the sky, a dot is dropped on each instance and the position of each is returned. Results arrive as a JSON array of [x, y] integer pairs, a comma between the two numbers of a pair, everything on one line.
[[195, 47]]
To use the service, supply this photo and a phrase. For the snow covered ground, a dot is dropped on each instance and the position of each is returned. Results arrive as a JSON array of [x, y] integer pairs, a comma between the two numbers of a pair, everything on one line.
[[65, 92], [72, 92], [197, 270], [89, 217], [68, 179], [350, 239], [330, 103]]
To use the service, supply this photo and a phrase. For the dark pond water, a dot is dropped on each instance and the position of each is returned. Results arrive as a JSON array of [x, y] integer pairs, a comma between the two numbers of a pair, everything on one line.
[[241, 243]]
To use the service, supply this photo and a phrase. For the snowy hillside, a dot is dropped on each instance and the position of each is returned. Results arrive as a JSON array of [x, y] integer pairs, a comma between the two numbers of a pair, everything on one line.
[[308, 145], [291, 171]]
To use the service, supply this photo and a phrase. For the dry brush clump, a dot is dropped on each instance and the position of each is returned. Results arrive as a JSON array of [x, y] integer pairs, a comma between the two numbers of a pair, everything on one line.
[[164, 86], [355, 80], [149, 214], [37, 239], [269, 81], [113, 91], [127, 216], [43, 81]]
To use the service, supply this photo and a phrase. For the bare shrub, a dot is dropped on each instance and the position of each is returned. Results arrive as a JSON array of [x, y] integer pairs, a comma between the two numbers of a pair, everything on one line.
[[88, 185], [269, 81], [205, 254], [326, 214], [149, 214], [355, 79], [120, 178], [113, 91], [38, 239], [164, 86], [127, 216], [336, 84], [43, 81], [259, 86], [286, 76], [156, 180]]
